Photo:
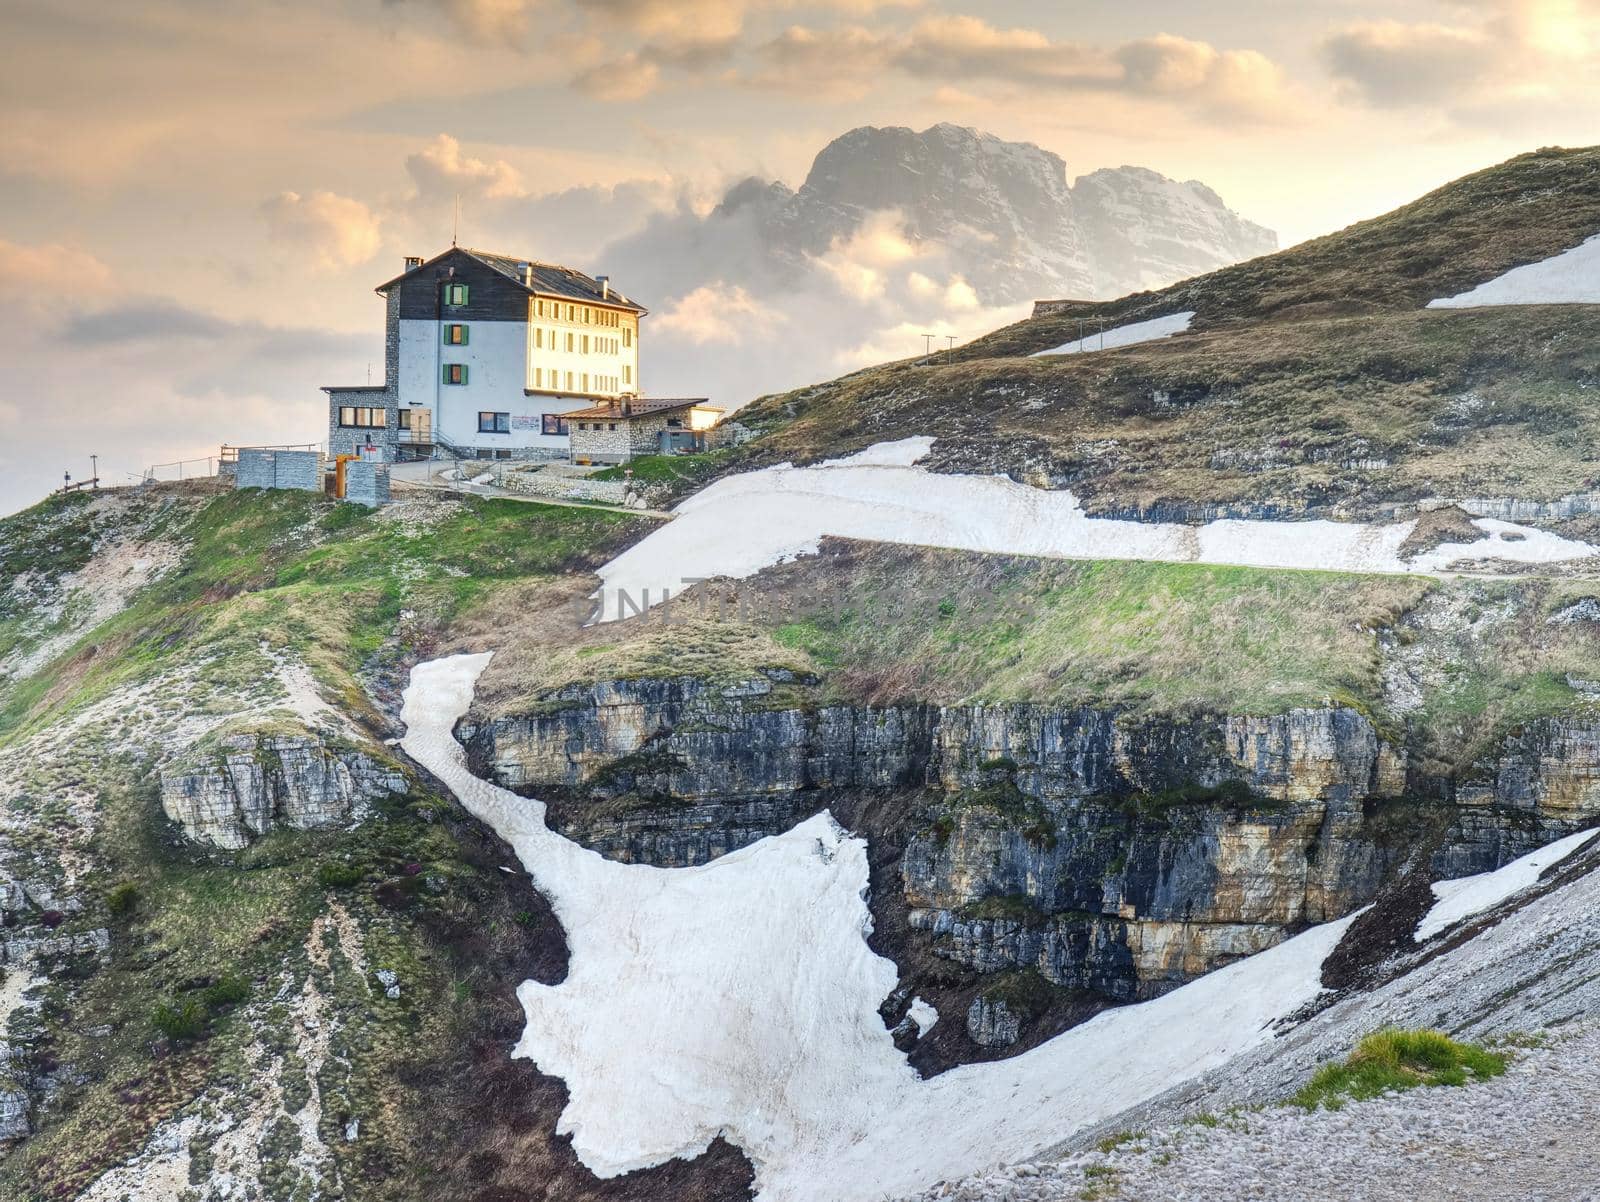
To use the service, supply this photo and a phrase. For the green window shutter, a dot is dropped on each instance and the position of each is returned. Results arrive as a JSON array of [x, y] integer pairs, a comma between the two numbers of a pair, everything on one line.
[[463, 373], [465, 331], [445, 373]]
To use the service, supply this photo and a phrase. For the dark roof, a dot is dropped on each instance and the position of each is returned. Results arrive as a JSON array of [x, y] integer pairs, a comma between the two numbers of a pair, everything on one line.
[[642, 407], [354, 387], [549, 279]]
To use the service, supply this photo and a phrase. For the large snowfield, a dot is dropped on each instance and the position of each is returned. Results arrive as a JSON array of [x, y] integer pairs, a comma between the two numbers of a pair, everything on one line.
[[748, 522], [1570, 278], [740, 998]]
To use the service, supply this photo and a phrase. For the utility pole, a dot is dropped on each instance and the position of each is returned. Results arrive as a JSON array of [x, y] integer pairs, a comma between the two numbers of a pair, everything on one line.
[[927, 347], [950, 349], [1081, 345], [94, 469]]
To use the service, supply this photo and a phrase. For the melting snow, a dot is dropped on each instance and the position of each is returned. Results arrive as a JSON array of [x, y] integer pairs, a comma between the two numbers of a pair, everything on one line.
[[748, 522], [740, 997], [1128, 335], [1570, 278], [1469, 895]]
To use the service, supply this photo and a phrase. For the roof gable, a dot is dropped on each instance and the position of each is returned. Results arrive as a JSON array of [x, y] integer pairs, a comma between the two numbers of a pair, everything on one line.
[[548, 279]]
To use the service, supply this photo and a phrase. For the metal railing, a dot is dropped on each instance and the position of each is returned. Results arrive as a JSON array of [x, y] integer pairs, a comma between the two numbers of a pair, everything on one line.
[[230, 454]]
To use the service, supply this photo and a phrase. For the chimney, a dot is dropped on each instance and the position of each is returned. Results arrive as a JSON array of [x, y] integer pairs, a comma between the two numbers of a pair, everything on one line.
[[605, 286], [527, 274], [413, 262]]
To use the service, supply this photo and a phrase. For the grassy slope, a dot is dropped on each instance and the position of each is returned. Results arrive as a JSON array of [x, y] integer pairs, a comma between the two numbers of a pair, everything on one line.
[[1303, 367], [295, 571], [329, 583], [880, 624]]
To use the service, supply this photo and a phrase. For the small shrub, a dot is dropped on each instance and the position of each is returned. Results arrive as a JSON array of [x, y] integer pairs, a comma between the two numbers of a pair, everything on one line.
[[51, 919], [227, 991], [123, 899], [1392, 1060], [180, 1022], [339, 876], [1112, 1142]]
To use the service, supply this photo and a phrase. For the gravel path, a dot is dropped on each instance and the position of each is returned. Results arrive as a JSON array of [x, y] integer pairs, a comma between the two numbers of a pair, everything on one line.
[[1529, 1135]]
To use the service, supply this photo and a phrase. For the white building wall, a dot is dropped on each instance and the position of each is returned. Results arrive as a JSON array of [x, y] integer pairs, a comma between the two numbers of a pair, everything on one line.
[[496, 357]]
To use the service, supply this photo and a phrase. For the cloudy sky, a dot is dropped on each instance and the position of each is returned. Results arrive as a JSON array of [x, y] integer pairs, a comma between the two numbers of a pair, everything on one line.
[[197, 196]]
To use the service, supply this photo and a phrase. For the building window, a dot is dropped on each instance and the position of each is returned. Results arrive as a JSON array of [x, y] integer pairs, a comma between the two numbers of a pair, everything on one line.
[[455, 294], [627, 374], [570, 337], [554, 423], [675, 422], [538, 377], [538, 337], [611, 426], [455, 373], [363, 417], [538, 309], [627, 336], [569, 381], [405, 419], [494, 423], [585, 344], [586, 381], [455, 335]]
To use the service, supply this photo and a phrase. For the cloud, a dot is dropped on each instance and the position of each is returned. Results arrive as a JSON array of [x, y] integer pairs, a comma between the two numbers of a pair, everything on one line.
[[718, 313], [73, 274], [141, 321], [183, 380], [960, 51], [485, 20], [1388, 64], [1502, 54], [336, 230], [630, 77], [841, 62], [440, 171]]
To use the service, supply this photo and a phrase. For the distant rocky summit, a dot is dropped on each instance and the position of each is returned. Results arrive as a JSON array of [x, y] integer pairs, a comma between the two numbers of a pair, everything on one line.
[[1011, 222]]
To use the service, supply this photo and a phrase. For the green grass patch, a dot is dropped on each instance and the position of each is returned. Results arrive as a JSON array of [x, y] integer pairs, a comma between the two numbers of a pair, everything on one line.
[[672, 470], [1391, 1060]]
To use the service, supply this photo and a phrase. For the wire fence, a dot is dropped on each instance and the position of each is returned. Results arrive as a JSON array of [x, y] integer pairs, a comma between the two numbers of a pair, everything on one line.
[[181, 469]]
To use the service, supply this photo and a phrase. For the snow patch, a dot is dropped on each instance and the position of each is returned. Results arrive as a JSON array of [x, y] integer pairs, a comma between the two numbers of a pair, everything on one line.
[[923, 1014], [740, 998], [1128, 335], [1570, 278], [1469, 895], [744, 523]]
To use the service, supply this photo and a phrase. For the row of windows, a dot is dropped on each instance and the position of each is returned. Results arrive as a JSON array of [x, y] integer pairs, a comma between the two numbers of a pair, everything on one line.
[[572, 343], [597, 426], [581, 315], [456, 295], [580, 380], [363, 417]]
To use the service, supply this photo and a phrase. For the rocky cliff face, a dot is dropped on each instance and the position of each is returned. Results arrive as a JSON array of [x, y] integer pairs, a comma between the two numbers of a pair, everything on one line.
[[1103, 852], [250, 783]]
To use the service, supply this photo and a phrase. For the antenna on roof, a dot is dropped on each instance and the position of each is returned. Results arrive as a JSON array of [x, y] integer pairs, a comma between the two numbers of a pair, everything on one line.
[[455, 229]]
